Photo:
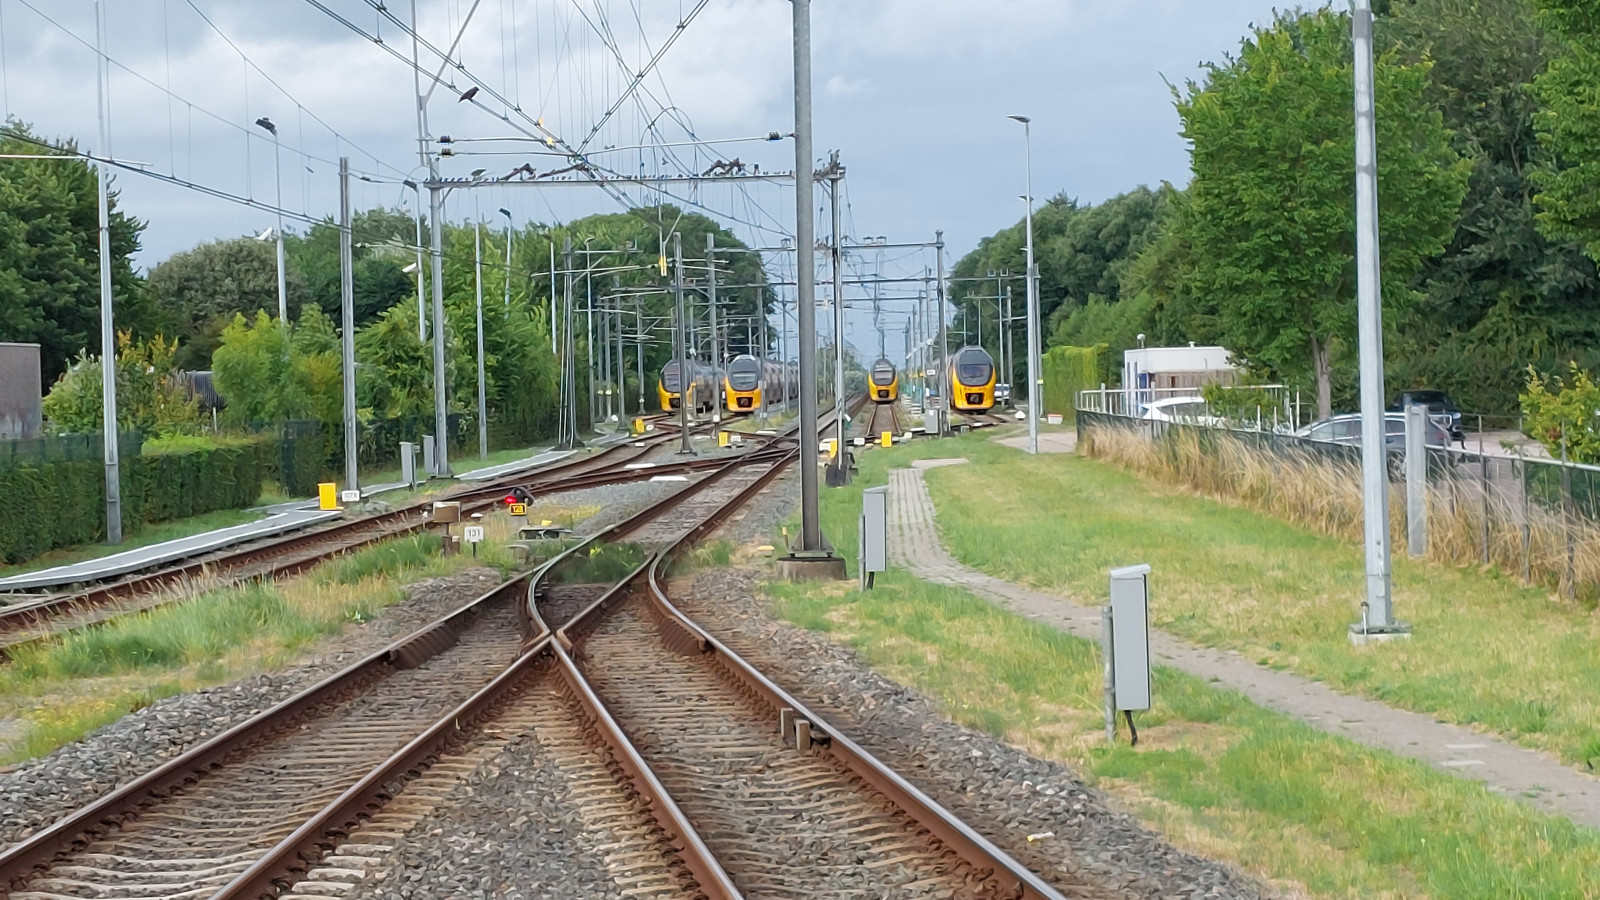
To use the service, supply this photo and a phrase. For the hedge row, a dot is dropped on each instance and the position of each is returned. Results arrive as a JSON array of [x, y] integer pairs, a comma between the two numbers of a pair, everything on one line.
[[50, 505], [1068, 370]]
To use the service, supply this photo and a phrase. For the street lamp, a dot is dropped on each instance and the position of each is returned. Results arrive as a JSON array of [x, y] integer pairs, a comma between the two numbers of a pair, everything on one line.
[[510, 233], [422, 307], [1033, 294], [277, 175]]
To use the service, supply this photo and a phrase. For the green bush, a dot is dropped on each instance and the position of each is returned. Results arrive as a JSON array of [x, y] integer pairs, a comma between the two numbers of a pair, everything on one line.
[[48, 505], [1068, 370]]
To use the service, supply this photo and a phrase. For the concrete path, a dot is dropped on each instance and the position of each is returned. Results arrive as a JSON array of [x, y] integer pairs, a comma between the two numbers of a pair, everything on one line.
[[1049, 441], [156, 554], [1503, 766], [517, 465]]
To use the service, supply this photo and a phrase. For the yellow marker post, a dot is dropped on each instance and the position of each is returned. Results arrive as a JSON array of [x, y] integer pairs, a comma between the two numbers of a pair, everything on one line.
[[833, 448], [887, 439], [722, 438], [638, 426], [327, 495]]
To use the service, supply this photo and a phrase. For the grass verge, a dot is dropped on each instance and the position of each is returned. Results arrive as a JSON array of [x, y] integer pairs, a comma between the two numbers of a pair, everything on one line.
[[1488, 652], [56, 692], [1314, 813]]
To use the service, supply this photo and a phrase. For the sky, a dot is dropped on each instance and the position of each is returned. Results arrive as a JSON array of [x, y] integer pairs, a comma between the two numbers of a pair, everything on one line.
[[914, 94]]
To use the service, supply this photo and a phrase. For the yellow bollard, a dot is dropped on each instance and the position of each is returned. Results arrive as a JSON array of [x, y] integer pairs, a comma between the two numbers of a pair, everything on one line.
[[722, 438], [327, 495], [887, 440], [833, 448], [638, 426]]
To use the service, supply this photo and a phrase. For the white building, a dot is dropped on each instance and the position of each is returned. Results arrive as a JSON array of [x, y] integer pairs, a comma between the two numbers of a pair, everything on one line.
[[1150, 373]]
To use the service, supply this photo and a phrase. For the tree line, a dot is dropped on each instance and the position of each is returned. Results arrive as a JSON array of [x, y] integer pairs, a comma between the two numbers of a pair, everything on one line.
[[1489, 203], [214, 308]]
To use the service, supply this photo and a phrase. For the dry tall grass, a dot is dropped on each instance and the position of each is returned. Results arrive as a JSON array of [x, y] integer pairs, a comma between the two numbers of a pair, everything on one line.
[[1324, 495]]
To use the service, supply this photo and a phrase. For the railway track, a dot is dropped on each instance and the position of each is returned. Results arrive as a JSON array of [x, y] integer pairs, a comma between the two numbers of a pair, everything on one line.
[[885, 417], [695, 775], [38, 618]]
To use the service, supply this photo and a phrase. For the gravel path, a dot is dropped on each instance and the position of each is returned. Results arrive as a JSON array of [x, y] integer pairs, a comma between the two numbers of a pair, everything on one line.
[[37, 792], [996, 788]]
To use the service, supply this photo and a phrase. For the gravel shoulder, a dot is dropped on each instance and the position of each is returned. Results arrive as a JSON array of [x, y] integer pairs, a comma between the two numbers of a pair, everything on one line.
[[998, 789]]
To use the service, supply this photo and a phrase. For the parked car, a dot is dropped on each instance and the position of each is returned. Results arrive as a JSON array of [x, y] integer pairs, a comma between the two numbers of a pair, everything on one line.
[[1187, 410], [1346, 429], [1439, 406]]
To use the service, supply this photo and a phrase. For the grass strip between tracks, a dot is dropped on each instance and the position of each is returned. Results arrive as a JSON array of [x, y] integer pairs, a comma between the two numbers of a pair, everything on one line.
[[1316, 814], [55, 692]]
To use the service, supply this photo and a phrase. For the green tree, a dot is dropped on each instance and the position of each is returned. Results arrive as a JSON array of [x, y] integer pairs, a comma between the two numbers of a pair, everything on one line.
[[382, 245], [150, 395], [201, 291], [1503, 295], [50, 253], [270, 372], [1568, 125], [1269, 220]]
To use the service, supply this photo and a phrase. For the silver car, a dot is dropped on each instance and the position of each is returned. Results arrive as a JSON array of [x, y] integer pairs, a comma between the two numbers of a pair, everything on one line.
[[1346, 429]]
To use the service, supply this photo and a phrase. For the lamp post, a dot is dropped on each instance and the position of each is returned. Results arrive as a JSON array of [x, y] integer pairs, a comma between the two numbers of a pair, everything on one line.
[[1377, 617], [1033, 294], [108, 335], [510, 234], [277, 175], [422, 306]]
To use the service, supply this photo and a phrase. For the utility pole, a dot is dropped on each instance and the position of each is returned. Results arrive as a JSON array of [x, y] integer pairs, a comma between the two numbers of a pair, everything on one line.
[[1005, 350], [761, 305], [946, 383], [1377, 610], [483, 406], [347, 310], [588, 311], [568, 432], [806, 289], [441, 418], [711, 301], [108, 333], [1035, 381], [638, 333], [833, 173], [433, 177], [422, 308], [680, 340]]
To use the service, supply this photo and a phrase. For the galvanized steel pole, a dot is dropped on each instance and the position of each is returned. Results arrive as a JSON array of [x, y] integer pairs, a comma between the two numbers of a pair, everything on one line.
[[711, 303], [283, 286], [835, 173], [441, 420], [347, 321], [477, 277], [1378, 614], [108, 333], [805, 242], [947, 387], [679, 341], [1035, 365]]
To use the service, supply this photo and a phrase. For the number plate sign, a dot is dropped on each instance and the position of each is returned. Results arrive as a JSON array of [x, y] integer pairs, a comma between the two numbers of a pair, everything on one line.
[[473, 534]]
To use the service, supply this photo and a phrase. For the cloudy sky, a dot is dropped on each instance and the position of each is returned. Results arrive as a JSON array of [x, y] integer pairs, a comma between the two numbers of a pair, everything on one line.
[[914, 93]]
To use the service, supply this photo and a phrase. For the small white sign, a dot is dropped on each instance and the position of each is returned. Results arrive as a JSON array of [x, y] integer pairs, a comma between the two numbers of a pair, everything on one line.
[[472, 534], [349, 496]]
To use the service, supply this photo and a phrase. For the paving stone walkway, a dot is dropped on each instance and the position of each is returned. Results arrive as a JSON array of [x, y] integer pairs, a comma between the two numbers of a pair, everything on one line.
[[1503, 766]]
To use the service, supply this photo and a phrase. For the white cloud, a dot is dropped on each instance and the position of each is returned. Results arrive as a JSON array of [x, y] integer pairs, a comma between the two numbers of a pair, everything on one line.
[[840, 86]]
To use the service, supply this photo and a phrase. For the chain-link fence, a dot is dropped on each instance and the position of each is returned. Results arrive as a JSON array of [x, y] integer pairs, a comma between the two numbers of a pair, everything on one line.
[[1487, 504]]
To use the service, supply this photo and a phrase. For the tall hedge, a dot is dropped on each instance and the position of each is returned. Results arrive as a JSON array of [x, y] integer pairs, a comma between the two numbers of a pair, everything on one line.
[[48, 505], [1068, 370]]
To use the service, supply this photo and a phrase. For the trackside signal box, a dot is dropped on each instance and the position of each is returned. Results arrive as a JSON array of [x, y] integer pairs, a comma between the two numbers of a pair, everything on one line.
[[1125, 636], [874, 550]]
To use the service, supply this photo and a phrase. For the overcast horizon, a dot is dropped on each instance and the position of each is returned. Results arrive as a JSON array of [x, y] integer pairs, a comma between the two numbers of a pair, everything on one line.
[[915, 95]]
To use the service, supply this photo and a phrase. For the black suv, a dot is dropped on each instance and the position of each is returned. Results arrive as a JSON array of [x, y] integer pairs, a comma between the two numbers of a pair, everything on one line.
[[1439, 406]]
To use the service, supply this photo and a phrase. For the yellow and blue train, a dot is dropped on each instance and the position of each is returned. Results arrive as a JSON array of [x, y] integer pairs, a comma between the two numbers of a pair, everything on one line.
[[701, 390], [971, 380], [885, 387]]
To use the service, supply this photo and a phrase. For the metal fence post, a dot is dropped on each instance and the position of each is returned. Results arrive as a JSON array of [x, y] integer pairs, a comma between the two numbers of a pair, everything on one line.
[[1527, 530], [1569, 589], [1483, 487], [1416, 418]]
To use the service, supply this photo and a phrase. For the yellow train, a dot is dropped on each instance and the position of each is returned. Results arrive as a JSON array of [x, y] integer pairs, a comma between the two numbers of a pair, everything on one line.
[[885, 379], [747, 381], [702, 387], [971, 380]]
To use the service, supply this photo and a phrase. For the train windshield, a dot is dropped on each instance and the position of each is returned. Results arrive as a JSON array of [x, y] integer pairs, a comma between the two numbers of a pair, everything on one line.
[[883, 373], [975, 367], [744, 374], [669, 376]]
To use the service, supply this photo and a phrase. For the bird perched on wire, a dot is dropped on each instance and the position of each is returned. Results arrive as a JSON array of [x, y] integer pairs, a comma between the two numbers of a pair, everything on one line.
[[724, 168], [471, 92]]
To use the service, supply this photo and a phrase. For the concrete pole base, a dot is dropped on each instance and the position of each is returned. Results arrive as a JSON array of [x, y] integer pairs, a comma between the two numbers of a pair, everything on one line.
[[1361, 634], [812, 568]]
